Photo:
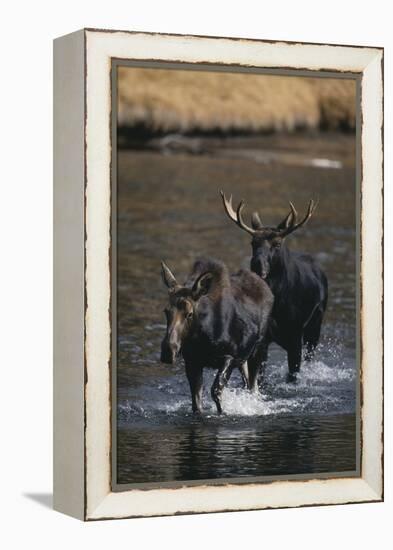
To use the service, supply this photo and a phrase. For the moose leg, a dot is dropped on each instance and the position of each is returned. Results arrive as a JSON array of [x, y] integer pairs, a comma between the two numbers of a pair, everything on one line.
[[220, 382], [245, 375], [257, 363], [311, 334], [253, 377], [195, 379], [263, 361], [294, 358]]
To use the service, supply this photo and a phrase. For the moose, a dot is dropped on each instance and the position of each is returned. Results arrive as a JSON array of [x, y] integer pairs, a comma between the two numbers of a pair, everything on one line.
[[299, 285], [216, 320]]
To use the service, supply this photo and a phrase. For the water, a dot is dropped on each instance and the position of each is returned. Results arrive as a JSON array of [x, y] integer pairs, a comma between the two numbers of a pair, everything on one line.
[[169, 208]]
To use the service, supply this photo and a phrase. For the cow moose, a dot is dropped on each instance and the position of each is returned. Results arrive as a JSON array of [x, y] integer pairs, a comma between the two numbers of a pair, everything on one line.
[[299, 285], [216, 320]]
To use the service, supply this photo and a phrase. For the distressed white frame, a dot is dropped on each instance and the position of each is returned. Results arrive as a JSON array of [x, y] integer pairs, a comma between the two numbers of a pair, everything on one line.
[[100, 47]]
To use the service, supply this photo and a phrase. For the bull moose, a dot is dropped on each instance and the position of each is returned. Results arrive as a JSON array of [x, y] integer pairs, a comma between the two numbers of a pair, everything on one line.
[[216, 320], [299, 285]]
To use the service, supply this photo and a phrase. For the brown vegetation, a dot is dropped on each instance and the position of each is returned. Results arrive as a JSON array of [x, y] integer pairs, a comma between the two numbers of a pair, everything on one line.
[[163, 100]]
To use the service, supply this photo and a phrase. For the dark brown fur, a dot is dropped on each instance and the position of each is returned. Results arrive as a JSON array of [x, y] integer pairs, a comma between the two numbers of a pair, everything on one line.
[[216, 320]]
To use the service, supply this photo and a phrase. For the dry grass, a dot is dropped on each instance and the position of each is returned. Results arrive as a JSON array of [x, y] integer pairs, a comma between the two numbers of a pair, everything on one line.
[[336, 101], [185, 101]]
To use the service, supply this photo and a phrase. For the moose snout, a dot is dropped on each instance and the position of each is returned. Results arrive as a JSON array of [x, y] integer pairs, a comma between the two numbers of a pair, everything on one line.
[[169, 352], [260, 267]]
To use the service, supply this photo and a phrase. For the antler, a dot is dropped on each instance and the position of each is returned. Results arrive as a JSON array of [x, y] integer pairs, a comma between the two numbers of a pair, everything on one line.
[[289, 219], [290, 224], [236, 216]]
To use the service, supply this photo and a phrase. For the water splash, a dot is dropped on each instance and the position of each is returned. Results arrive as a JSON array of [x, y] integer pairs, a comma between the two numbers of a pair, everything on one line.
[[320, 388]]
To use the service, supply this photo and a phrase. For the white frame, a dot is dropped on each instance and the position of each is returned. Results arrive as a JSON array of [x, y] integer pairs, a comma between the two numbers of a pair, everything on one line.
[[82, 451]]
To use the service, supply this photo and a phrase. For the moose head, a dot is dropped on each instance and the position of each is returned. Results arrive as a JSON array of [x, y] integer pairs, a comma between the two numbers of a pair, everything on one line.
[[266, 241], [181, 311]]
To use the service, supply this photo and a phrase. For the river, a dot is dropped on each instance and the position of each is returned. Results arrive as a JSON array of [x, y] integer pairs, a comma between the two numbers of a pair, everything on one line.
[[169, 208]]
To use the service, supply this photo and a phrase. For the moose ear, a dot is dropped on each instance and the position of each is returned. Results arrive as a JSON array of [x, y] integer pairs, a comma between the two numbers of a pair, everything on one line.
[[202, 285], [168, 277], [256, 221], [287, 221]]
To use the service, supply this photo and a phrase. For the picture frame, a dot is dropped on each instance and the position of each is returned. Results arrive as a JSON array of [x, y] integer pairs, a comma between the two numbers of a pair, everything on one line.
[[84, 251]]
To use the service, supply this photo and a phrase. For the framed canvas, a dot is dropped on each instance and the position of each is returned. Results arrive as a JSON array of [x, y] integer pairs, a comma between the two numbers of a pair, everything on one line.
[[261, 386]]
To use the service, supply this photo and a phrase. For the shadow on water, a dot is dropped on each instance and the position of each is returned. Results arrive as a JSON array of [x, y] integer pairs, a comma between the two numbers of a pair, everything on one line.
[[169, 208]]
